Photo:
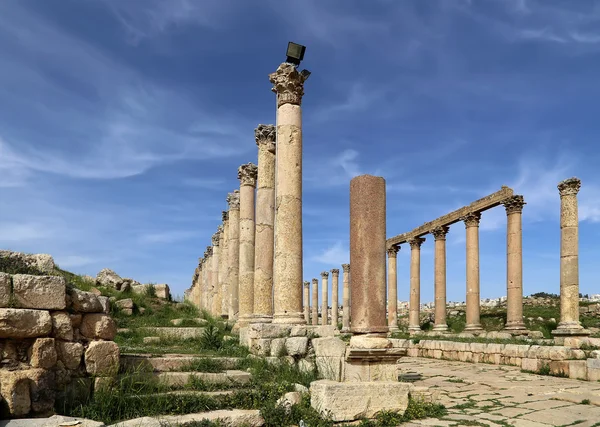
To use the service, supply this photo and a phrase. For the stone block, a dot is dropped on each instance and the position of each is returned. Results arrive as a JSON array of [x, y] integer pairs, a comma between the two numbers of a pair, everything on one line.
[[593, 369], [559, 353], [278, 347], [306, 366], [268, 330], [85, 302], [578, 369], [323, 331], [298, 331], [15, 392], [4, 290], [425, 394], [109, 279], [559, 367], [356, 370], [69, 353], [399, 343], [261, 347], [353, 401], [24, 323], [98, 326], [102, 358], [329, 347], [42, 353], [105, 303], [61, 326], [125, 303], [39, 292], [366, 341], [163, 291], [296, 346]]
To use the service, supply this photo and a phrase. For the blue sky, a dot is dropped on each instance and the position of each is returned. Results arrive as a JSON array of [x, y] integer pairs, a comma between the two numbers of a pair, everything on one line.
[[122, 124]]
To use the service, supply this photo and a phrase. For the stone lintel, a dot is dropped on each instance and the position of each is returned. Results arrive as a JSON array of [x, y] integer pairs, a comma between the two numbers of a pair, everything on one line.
[[375, 354], [483, 204]]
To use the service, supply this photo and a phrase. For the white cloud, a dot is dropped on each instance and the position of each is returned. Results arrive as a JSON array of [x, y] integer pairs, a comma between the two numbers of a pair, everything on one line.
[[167, 236], [335, 254]]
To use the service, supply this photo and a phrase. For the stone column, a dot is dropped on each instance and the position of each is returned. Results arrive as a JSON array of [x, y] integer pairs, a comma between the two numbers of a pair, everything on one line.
[[288, 83], [265, 218], [222, 270], [392, 306], [233, 199], [569, 260], [514, 264], [335, 289], [208, 279], [306, 299], [346, 298], [367, 254], [439, 235], [472, 229], [324, 299], [216, 289], [224, 267], [414, 306], [203, 282], [247, 175], [315, 302]]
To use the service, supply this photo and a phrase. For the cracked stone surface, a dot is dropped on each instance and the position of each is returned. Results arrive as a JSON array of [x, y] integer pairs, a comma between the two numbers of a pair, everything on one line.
[[492, 395]]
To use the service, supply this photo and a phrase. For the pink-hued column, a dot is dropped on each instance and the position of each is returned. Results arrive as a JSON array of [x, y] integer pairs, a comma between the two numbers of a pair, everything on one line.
[[392, 307], [439, 235], [306, 300], [346, 298], [233, 274], [335, 289], [247, 175], [223, 266], [471, 221], [288, 84], [414, 305], [367, 254], [514, 264], [324, 299], [315, 302]]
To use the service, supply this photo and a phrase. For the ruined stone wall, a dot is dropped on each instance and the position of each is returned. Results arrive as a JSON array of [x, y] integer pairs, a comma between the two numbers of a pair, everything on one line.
[[52, 339]]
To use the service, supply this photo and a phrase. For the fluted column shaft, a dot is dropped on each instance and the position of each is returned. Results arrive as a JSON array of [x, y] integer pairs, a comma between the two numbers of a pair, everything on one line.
[[224, 267], [514, 264], [247, 175], [315, 302], [414, 310], [392, 306], [473, 294], [335, 289], [346, 298], [324, 299], [439, 235], [306, 301], [233, 199]]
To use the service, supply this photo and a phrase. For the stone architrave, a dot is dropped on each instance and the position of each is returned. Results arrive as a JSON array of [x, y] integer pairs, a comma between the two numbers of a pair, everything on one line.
[[335, 290], [514, 264], [569, 260], [265, 219], [324, 298], [414, 308], [392, 307], [306, 300], [288, 84], [315, 302], [439, 235], [346, 298], [224, 266], [247, 175], [216, 294], [233, 275], [471, 221], [367, 254]]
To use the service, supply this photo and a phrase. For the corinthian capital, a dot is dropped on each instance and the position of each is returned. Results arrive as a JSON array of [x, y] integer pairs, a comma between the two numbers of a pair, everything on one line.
[[288, 84], [233, 199], [416, 242], [215, 238], [325, 274], [225, 216], [392, 251], [569, 186], [472, 219], [306, 284], [439, 233], [346, 268], [514, 204], [315, 281], [209, 251], [335, 271], [247, 174]]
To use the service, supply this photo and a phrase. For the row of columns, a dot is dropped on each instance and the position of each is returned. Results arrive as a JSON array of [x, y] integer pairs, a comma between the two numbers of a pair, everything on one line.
[[311, 300]]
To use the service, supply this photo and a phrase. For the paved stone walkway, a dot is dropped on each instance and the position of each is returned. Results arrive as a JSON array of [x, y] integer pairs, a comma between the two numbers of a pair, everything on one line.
[[492, 395]]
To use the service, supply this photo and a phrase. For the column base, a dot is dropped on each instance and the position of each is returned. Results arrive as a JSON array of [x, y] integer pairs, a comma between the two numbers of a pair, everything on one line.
[[345, 330], [571, 329], [392, 329], [289, 318], [515, 327], [261, 318], [476, 327], [373, 331], [440, 328]]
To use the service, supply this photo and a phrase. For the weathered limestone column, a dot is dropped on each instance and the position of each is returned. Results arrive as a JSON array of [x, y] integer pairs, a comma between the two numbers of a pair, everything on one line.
[[216, 301], [224, 266], [306, 299], [346, 298], [472, 229], [265, 218], [247, 175], [315, 302], [208, 278], [204, 281], [392, 306], [414, 305], [324, 299], [514, 264], [367, 254], [288, 83], [569, 260], [222, 270], [439, 235], [233, 199], [335, 291]]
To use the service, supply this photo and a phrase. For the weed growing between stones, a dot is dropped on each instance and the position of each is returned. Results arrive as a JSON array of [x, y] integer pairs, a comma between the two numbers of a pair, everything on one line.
[[416, 410]]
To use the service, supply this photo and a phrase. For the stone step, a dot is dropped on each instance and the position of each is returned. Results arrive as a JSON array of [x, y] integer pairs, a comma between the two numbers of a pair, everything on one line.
[[229, 418], [180, 379], [173, 332], [198, 320], [169, 362]]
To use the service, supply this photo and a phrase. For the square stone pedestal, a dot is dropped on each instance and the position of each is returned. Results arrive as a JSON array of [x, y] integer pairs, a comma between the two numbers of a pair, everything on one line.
[[567, 335], [352, 401]]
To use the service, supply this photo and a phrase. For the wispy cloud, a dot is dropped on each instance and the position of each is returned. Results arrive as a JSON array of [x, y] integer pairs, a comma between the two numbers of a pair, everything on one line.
[[335, 254], [168, 236]]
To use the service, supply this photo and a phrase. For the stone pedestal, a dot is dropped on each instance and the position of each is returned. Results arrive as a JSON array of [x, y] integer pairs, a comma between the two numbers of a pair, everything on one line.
[[306, 300], [569, 260], [233, 274], [439, 234], [288, 84], [247, 175], [367, 254], [514, 265], [414, 303], [324, 299], [224, 266], [392, 307], [315, 302], [335, 286], [346, 298], [265, 219], [472, 229]]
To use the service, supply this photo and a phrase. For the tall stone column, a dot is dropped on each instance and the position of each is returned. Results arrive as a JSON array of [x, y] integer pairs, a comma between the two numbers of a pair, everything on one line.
[[265, 218], [233, 274], [439, 235], [204, 282], [315, 302], [324, 299], [288, 84], [306, 299], [472, 229], [367, 254], [208, 279], [569, 260], [335, 290], [414, 307], [224, 266], [216, 289], [247, 175], [514, 264], [346, 298], [392, 306]]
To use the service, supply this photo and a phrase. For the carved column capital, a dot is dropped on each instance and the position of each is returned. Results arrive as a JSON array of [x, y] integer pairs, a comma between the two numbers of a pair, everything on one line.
[[325, 274], [569, 187], [288, 84], [225, 216], [439, 233], [472, 219], [247, 174], [306, 283], [392, 251], [209, 251], [514, 204], [315, 281], [233, 199], [215, 238], [346, 268], [335, 271], [416, 242], [265, 137]]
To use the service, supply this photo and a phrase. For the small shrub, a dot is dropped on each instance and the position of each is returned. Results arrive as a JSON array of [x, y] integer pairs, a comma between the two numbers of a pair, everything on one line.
[[586, 402], [150, 291], [212, 338]]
